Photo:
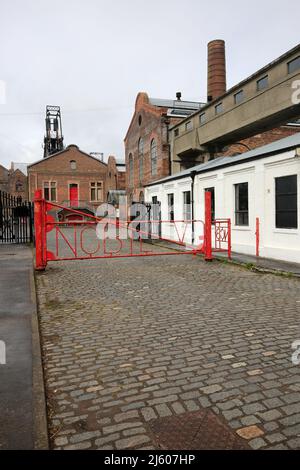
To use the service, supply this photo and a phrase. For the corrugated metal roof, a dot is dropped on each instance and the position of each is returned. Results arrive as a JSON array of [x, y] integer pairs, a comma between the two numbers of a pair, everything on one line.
[[175, 104], [278, 146]]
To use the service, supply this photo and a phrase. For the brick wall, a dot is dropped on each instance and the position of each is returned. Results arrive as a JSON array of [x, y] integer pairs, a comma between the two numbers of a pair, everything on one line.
[[115, 179], [261, 139], [18, 184], [121, 180], [3, 179]]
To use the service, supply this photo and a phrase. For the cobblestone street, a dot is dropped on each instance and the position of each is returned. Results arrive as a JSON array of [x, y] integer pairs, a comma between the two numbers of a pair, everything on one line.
[[130, 344]]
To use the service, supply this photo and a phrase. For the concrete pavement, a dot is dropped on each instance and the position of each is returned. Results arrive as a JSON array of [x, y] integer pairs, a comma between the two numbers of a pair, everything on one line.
[[263, 264], [22, 405]]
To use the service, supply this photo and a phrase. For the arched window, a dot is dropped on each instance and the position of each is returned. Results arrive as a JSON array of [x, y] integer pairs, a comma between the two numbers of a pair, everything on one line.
[[73, 164], [130, 164], [141, 158], [141, 197], [153, 153]]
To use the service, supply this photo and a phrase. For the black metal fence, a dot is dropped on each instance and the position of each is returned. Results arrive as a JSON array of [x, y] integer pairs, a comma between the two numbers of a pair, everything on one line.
[[16, 219]]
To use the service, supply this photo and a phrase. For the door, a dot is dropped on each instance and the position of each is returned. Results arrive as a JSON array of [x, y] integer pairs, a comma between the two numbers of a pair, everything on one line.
[[73, 189], [156, 217]]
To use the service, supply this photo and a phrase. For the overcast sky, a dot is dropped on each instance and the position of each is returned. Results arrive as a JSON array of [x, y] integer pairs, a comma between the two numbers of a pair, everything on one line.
[[92, 57]]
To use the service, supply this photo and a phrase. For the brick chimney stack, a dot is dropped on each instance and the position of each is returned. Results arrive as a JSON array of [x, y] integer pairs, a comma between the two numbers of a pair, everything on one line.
[[216, 69]]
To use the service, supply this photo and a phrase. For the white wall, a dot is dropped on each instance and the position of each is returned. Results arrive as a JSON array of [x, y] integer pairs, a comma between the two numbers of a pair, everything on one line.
[[260, 175], [182, 230]]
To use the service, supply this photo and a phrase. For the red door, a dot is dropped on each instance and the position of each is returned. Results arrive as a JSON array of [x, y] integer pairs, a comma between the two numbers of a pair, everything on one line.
[[74, 195]]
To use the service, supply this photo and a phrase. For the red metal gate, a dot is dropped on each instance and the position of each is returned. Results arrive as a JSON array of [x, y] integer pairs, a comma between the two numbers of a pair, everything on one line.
[[222, 240], [134, 246]]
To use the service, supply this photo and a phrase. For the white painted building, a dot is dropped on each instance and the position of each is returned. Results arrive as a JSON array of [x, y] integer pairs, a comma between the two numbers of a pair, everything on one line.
[[261, 183]]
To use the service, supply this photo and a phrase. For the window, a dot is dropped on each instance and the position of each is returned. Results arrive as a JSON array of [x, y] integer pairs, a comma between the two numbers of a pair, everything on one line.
[[141, 167], [140, 120], [286, 202], [239, 97], [202, 118], [188, 126], [73, 165], [130, 164], [153, 152], [155, 212], [294, 65], [50, 190], [212, 192], [241, 204], [176, 133], [19, 186], [96, 191], [219, 108], [262, 83], [171, 207], [187, 213], [141, 158]]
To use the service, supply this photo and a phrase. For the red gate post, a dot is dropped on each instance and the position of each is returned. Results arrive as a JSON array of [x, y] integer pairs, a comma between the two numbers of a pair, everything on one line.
[[257, 236], [229, 238], [40, 230], [207, 239]]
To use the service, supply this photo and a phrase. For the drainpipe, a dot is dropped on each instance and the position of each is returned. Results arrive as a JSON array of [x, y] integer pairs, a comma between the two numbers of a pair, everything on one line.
[[167, 123], [192, 175]]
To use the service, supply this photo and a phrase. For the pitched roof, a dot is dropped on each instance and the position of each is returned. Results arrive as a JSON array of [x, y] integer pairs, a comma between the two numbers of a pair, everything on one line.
[[175, 108], [65, 150], [21, 167], [279, 146]]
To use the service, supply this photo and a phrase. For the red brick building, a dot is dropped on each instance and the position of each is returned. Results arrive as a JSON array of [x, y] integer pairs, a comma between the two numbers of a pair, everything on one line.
[[73, 178], [146, 142], [14, 181]]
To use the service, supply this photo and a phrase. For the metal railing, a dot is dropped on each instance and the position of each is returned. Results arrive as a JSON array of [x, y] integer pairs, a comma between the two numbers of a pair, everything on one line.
[[16, 219]]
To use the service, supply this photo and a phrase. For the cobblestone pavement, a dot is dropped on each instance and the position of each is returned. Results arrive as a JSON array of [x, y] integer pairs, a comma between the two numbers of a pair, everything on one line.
[[129, 341]]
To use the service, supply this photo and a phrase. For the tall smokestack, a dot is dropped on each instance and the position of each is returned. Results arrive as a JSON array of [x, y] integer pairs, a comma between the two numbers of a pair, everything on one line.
[[216, 69]]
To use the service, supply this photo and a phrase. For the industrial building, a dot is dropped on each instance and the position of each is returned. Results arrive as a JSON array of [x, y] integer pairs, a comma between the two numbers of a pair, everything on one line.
[[166, 137], [256, 111]]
